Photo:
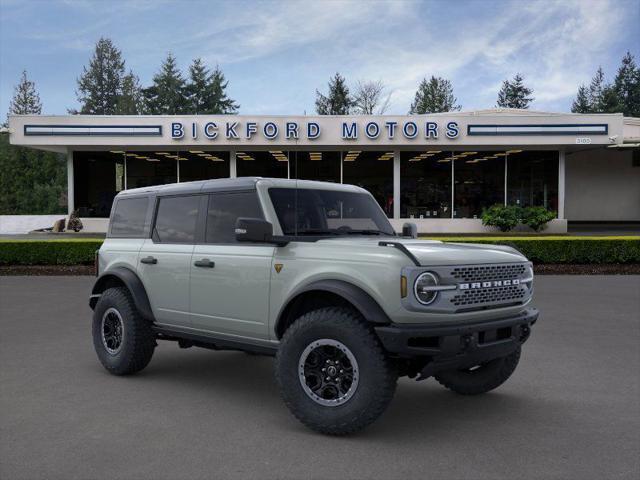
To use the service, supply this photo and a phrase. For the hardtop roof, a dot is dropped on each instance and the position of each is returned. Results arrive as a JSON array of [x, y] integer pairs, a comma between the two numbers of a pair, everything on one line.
[[231, 184]]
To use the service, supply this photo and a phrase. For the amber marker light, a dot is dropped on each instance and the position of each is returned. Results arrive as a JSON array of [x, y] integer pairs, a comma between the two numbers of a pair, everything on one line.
[[403, 286]]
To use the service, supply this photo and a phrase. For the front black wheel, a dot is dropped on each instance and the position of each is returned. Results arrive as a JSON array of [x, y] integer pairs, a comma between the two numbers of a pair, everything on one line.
[[123, 340], [332, 372], [480, 378]]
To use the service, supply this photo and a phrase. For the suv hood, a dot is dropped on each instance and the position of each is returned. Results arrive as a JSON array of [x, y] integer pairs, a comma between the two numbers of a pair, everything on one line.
[[434, 252]]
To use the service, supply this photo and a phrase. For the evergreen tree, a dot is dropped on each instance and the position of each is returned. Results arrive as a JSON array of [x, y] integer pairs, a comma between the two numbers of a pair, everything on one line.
[[31, 181], [196, 89], [627, 86], [218, 100], [596, 91], [581, 104], [206, 92], [514, 94], [433, 96], [130, 101], [25, 99], [99, 86], [167, 95], [338, 101]]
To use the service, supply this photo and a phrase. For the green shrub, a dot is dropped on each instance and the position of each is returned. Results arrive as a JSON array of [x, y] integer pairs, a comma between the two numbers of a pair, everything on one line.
[[48, 252], [503, 217], [536, 217]]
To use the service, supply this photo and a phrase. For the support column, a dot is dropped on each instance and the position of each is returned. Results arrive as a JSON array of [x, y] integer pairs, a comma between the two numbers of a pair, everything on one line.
[[561, 177], [396, 184], [71, 204], [506, 170], [232, 164]]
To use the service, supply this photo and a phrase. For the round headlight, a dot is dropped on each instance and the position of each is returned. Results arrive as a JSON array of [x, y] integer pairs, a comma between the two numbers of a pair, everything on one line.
[[423, 288]]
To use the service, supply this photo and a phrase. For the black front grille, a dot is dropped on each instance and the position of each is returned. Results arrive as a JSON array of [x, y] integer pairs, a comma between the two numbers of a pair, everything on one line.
[[508, 294], [488, 272]]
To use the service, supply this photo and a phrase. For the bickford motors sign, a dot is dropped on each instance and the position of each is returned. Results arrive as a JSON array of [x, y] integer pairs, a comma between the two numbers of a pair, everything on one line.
[[310, 130]]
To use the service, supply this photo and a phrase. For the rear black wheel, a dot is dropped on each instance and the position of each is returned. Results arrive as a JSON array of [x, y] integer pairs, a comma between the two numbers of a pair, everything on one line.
[[480, 378], [123, 340], [332, 372]]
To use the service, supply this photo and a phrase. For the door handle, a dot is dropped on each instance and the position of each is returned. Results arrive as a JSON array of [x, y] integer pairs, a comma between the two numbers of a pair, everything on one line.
[[149, 260], [205, 262]]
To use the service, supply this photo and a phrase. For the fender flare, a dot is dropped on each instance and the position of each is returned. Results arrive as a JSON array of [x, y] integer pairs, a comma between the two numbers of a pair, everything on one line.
[[133, 284], [356, 296]]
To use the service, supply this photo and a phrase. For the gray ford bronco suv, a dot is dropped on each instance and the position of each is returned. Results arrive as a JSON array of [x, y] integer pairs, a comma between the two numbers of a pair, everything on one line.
[[312, 273]]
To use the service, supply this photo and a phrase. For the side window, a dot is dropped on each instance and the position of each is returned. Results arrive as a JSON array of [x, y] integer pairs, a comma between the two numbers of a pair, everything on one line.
[[128, 217], [176, 219], [224, 210]]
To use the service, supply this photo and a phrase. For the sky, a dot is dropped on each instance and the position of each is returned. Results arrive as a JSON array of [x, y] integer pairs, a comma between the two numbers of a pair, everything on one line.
[[275, 54]]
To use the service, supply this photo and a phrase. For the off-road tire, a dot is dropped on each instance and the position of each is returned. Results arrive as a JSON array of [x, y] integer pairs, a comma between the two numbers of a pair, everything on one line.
[[481, 380], [377, 374], [138, 340]]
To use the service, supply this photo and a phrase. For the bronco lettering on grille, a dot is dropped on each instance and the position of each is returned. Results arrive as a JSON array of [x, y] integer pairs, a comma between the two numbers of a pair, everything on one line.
[[494, 283]]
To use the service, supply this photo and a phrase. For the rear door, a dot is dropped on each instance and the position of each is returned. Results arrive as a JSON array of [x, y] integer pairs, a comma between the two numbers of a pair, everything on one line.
[[165, 259], [230, 280]]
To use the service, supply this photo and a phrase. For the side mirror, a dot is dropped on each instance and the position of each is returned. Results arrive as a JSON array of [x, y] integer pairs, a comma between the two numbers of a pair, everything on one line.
[[410, 230], [253, 230]]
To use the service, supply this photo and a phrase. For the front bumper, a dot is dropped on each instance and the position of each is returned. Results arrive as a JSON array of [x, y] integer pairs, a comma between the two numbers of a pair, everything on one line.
[[448, 347]]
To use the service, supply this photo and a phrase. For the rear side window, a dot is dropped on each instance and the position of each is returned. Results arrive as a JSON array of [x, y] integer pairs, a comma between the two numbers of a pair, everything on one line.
[[224, 210], [176, 219], [128, 217]]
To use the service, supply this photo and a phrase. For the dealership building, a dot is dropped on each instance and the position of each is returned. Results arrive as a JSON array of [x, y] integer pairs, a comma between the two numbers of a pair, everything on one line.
[[439, 170]]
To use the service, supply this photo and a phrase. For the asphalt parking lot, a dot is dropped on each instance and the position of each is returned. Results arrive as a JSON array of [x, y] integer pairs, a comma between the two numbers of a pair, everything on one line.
[[571, 410]]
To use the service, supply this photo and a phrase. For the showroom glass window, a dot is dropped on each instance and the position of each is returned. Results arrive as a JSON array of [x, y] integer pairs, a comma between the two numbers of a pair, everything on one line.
[[273, 164], [425, 186], [145, 169], [372, 171], [478, 182], [201, 164], [98, 177], [532, 179], [317, 165]]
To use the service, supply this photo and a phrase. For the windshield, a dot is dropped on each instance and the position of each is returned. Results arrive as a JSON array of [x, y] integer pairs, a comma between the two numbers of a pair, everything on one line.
[[328, 212]]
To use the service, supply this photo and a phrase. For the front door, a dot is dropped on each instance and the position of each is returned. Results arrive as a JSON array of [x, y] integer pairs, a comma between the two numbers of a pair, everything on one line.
[[230, 280], [164, 262]]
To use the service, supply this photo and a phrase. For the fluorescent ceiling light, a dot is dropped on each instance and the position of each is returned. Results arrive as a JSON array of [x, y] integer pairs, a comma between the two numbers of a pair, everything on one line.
[[152, 160], [116, 151], [162, 153], [196, 151], [434, 151], [514, 151]]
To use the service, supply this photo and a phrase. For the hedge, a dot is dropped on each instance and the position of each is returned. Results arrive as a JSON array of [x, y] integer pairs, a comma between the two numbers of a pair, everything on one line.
[[549, 249], [48, 252], [566, 249]]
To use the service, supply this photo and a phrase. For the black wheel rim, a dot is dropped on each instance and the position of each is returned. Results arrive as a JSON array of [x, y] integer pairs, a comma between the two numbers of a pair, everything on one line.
[[328, 372], [112, 330]]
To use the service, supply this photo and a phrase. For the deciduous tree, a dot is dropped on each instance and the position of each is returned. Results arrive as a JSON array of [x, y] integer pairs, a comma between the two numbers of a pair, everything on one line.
[[371, 98]]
